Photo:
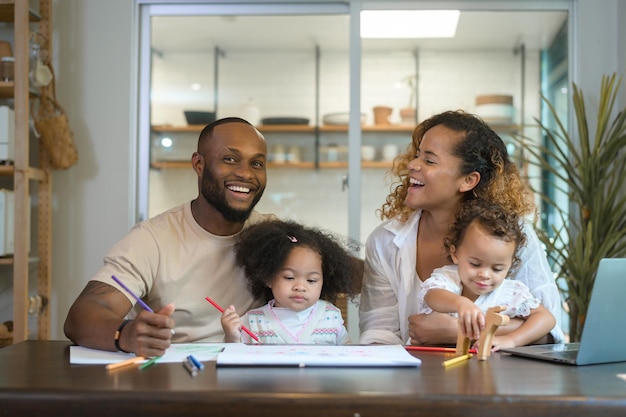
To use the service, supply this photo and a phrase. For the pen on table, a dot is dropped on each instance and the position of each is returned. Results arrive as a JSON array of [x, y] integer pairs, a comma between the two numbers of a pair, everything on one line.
[[193, 371], [150, 362], [127, 362], [434, 349], [139, 300], [456, 360], [196, 362], [221, 310]]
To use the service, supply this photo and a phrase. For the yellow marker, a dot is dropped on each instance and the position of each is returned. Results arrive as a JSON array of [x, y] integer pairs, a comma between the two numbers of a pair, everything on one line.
[[456, 360], [127, 362]]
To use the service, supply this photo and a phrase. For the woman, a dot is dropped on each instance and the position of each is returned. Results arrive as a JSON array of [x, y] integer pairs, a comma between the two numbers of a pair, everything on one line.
[[454, 157]]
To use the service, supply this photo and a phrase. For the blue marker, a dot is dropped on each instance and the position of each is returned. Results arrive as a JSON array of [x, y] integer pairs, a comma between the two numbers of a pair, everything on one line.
[[196, 362]]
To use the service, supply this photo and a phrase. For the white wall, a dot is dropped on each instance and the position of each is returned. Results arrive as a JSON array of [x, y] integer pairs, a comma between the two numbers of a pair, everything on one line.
[[92, 202]]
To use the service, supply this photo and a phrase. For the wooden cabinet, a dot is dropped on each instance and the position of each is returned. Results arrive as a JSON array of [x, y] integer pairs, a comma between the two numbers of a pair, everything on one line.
[[29, 177]]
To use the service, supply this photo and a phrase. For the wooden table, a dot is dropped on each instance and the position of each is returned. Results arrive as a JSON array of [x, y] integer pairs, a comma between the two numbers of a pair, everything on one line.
[[36, 379]]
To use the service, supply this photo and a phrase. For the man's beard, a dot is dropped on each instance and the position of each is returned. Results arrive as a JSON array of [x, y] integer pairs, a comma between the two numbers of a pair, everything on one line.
[[216, 196]]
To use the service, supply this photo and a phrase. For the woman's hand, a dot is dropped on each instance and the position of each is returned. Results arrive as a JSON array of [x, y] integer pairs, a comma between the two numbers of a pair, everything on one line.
[[433, 329]]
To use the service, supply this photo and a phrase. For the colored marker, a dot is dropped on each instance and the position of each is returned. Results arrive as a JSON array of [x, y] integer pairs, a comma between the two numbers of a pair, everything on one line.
[[456, 360], [221, 310], [434, 349], [196, 362], [150, 362], [122, 364], [193, 371], [139, 300]]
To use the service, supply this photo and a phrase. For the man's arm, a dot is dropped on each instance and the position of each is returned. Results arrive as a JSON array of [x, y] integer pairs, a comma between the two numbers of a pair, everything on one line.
[[97, 313]]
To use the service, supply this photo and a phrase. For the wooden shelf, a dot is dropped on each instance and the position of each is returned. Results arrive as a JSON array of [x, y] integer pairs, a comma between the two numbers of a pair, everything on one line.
[[290, 128], [32, 173], [29, 212], [8, 260], [7, 170], [271, 165], [6, 89], [7, 12], [505, 128], [408, 129]]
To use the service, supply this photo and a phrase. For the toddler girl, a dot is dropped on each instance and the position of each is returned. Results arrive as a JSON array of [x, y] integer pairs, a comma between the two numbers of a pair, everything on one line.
[[483, 244], [300, 271]]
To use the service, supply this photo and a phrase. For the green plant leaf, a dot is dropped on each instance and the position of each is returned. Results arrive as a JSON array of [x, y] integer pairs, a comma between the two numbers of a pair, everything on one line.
[[590, 168]]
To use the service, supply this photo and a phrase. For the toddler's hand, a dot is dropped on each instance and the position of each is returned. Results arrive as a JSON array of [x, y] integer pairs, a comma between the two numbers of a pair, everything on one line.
[[501, 342], [231, 323], [471, 319]]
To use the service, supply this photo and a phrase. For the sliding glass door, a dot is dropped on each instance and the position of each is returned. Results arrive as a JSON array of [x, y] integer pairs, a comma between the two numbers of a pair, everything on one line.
[[335, 107]]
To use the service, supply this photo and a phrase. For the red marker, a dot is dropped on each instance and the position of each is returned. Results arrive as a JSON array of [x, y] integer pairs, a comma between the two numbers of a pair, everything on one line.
[[252, 335], [434, 349]]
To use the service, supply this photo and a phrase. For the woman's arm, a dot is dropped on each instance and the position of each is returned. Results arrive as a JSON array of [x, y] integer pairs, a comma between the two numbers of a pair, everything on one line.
[[536, 326], [379, 319], [535, 272]]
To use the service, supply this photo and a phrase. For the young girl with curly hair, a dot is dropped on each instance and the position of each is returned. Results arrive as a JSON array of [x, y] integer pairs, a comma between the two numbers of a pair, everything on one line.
[[483, 244], [454, 157], [300, 271]]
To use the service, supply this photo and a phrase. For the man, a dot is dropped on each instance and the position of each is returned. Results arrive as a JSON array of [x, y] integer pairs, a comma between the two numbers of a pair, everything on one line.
[[176, 259]]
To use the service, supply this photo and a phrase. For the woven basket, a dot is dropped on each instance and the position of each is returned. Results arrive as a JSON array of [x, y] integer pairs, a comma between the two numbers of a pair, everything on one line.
[[54, 130]]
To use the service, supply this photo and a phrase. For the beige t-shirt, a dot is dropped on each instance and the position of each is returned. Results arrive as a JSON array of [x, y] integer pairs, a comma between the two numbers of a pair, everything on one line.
[[171, 259]]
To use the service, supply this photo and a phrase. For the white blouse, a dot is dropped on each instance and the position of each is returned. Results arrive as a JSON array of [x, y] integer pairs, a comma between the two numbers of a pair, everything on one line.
[[511, 293], [391, 284]]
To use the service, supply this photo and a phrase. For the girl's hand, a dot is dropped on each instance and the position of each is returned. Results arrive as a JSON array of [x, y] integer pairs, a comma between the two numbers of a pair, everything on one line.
[[471, 318], [231, 323]]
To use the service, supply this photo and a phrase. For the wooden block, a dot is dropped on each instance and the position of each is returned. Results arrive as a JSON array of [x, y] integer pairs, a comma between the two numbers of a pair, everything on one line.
[[493, 319]]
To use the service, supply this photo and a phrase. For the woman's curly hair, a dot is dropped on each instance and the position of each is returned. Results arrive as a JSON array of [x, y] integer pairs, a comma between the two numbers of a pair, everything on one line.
[[263, 248], [480, 149], [494, 219]]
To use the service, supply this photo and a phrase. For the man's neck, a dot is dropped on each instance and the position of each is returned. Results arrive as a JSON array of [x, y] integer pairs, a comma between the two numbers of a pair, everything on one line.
[[211, 220]]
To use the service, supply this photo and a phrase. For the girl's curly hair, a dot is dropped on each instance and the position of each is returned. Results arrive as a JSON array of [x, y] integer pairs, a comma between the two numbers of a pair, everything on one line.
[[263, 248], [480, 149], [494, 219]]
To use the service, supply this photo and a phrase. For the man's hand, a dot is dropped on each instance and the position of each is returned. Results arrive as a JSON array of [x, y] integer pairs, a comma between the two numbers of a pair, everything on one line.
[[150, 334]]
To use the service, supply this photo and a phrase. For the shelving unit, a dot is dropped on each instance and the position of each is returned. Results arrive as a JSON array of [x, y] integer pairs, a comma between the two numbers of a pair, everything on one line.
[[291, 128], [307, 129], [24, 171]]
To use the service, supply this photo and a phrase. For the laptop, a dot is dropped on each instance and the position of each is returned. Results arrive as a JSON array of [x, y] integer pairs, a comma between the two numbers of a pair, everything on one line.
[[603, 337]]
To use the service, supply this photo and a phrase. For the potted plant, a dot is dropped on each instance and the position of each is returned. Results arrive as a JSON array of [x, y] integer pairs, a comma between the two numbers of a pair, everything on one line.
[[590, 167]]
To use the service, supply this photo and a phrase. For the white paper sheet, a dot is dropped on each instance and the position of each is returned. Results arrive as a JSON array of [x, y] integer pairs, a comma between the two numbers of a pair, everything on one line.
[[176, 353], [236, 354]]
